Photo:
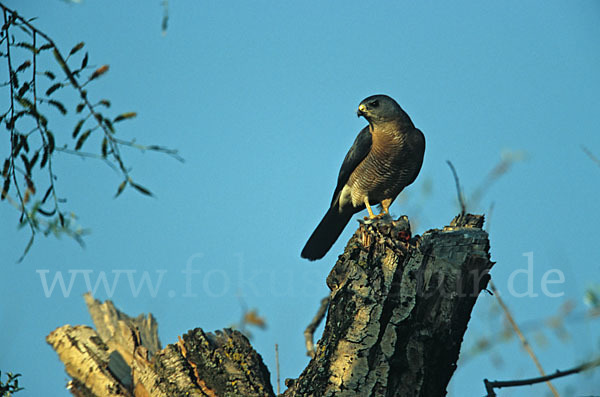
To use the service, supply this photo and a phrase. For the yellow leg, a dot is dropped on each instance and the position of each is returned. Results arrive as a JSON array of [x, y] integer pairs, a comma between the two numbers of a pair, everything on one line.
[[371, 215], [385, 206]]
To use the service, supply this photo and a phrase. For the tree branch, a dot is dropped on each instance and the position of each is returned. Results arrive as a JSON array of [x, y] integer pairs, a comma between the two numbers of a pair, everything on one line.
[[398, 311], [490, 386], [309, 332], [26, 102], [591, 155], [459, 193], [522, 338]]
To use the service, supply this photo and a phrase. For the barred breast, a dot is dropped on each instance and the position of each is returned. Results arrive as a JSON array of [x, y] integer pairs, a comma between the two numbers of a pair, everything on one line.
[[390, 166]]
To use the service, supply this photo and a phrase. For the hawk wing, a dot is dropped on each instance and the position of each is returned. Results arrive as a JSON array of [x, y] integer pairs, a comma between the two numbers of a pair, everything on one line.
[[359, 150]]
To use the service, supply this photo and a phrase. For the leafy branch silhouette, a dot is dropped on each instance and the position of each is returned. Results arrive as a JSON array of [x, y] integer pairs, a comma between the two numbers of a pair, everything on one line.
[[33, 95]]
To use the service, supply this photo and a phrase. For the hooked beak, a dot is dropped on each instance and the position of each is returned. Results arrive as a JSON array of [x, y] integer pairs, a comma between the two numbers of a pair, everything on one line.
[[361, 110]]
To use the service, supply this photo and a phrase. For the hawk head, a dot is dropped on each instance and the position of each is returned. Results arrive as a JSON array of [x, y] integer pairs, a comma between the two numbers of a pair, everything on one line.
[[381, 108]]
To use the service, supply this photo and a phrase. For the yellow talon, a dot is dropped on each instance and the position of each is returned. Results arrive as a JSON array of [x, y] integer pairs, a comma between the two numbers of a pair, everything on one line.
[[371, 215], [385, 207]]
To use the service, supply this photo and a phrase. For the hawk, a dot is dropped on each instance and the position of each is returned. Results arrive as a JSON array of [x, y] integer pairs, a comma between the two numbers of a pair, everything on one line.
[[385, 158]]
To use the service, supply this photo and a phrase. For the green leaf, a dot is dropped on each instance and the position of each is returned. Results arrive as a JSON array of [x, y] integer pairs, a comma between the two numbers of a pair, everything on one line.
[[142, 189], [78, 127], [82, 139], [43, 121], [45, 47], [99, 72], [104, 102], [29, 46], [25, 29], [104, 147], [53, 88], [26, 103], [77, 47], [50, 75], [29, 184], [59, 59], [61, 108], [6, 167], [16, 144], [24, 88], [84, 62], [23, 140], [24, 66], [26, 163], [44, 157], [109, 125], [34, 158], [14, 78], [121, 188], [5, 188], [80, 107], [64, 66], [124, 116], [51, 141]]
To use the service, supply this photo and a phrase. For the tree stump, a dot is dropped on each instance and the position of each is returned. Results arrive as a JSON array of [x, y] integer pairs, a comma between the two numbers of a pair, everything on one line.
[[399, 308]]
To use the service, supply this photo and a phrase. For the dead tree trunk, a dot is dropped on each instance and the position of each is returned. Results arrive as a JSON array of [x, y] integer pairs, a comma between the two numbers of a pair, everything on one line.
[[399, 309]]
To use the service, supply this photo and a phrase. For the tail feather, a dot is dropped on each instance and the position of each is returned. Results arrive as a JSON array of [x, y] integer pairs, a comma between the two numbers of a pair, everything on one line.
[[326, 233]]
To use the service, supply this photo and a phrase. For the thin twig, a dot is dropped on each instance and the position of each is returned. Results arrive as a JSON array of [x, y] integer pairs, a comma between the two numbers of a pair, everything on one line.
[[461, 201], [488, 218], [26, 23], [491, 385], [113, 142], [524, 342], [309, 332], [242, 325], [155, 148], [41, 129], [498, 170], [165, 19], [591, 155], [18, 140], [277, 368], [24, 212], [530, 325], [83, 155], [114, 147]]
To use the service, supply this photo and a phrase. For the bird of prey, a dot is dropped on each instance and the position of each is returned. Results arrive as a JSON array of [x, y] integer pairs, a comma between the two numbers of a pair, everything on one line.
[[385, 158]]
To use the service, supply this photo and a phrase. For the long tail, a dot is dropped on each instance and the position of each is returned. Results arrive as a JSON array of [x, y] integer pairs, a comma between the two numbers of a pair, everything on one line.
[[328, 231]]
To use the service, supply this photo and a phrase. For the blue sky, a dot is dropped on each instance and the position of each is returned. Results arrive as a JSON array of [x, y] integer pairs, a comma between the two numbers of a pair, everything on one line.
[[260, 99]]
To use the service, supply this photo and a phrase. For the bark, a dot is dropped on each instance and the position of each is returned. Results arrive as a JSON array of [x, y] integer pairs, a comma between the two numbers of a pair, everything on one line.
[[124, 358], [399, 308]]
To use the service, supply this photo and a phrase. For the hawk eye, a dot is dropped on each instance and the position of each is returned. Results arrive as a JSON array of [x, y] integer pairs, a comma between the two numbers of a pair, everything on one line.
[[374, 104]]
